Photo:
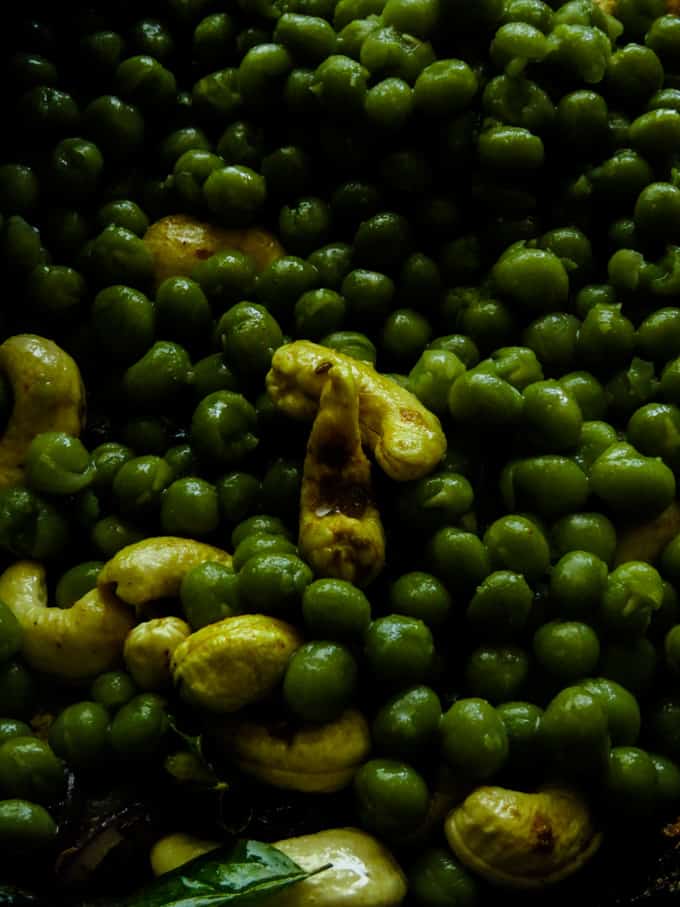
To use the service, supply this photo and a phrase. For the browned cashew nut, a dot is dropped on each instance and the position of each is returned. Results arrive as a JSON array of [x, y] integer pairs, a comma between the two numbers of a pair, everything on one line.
[[406, 438], [73, 643], [48, 396], [340, 530]]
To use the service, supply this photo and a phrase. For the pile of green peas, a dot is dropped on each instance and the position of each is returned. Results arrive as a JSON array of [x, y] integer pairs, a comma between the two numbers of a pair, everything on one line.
[[482, 199]]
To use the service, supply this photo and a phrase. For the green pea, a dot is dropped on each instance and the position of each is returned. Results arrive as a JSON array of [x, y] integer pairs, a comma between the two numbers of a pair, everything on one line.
[[422, 596], [497, 673], [30, 769], [620, 706], [320, 681], [654, 430], [656, 132], [389, 103], [241, 143], [473, 738], [335, 609], [462, 347], [287, 171], [210, 374], [19, 189], [550, 486], [658, 336], [522, 722], [501, 605], [445, 87], [666, 98], [435, 501], [657, 213], [634, 73], [116, 127], [139, 728], [144, 81], [332, 262], [235, 194], [76, 582], [282, 282], [113, 689], [147, 435], [588, 393], [581, 51], [273, 583], [368, 295], [176, 143], [238, 494], [261, 74], [30, 527], [630, 778], [281, 488], [48, 110], [20, 244], [437, 879], [222, 428], [667, 781], [582, 117], [621, 178], [630, 482], [553, 339], [123, 320], [407, 725], [211, 37], [309, 38], [17, 690], [304, 225], [216, 96], [382, 241], [139, 483], [458, 558], [189, 506], [261, 543], [596, 437], [431, 378], [534, 278], [518, 544], [226, 277], [575, 734], [157, 379], [578, 580], [80, 734], [552, 416], [634, 591], [58, 464], [260, 523], [399, 650], [30, 69], [630, 388], [25, 826], [190, 172], [298, 93], [209, 593], [182, 312], [181, 460], [392, 797], [567, 650], [351, 343], [318, 312], [482, 398]]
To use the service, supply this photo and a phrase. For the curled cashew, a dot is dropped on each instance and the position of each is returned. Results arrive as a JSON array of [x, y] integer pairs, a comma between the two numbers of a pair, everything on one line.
[[48, 396], [148, 649], [154, 568], [522, 840], [73, 643], [406, 438], [340, 530], [317, 758], [646, 541], [178, 243], [233, 662]]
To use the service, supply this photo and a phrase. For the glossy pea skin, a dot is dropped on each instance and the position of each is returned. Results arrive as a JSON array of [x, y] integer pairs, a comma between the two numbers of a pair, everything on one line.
[[667, 781], [631, 779], [261, 74], [138, 728], [241, 143], [287, 171], [630, 482], [320, 681], [391, 796], [437, 879], [577, 583], [176, 143], [138, 485], [116, 127], [235, 194], [620, 707], [17, 690], [663, 37], [368, 295], [308, 38], [20, 244], [261, 543], [215, 97], [222, 428], [333, 262], [501, 605], [19, 189], [226, 277], [437, 500], [658, 336], [30, 769], [533, 278], [595, 438], [483, 398], [351, 343], [582, 118], [335, 609], [182, 312], [123, 320], [473, 739], [24, 826], [211, 40], [407, 724], [210, 374], [510, 148], [634, 73], [553, 338], [567, 650], [80, 734], [431, 378], [529, 484], [634, 591], [459, 558], [399, 650], [552, 416], [273, 583], [282, 282], [517, 543], [422, 596], [389, 104], [58, 463], [381, 242], [209, 593], [654, 430], [76, 582], [319, 312], [497, 673], [657, 213], [238, 494], [575, 734], [655, 132], [157, 380], [144, 81], [304, 224], [113, 689], [522, 722], [259, 523], [445, 86], [189, 506], [30, 527]]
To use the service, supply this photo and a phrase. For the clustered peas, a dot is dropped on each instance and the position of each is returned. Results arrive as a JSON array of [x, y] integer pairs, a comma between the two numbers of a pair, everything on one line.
[[482, 200]]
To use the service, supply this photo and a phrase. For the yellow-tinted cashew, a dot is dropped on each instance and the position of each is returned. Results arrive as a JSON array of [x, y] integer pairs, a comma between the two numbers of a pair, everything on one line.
[[175, 850], [233, 662], [48, 396], [316, 758], [74, 643], [406, 438], [522, 840], [148, 649], [154, 568], [179, 242], [341, 534]]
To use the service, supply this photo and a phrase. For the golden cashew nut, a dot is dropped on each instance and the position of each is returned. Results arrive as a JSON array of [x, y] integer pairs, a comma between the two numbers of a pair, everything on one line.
[[522, 840], [48, 396], [178, 243], [175, 850], [154, 568], [73, 643], [233, 662], [317, 758], [362, 872], [148, 649], [406, 438], [341, 534]]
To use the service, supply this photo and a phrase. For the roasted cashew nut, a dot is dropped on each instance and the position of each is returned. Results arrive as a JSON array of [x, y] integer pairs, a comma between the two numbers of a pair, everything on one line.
[[178, 243], [148, 649], [73, 643], [522, 840], [340, 530], [406, 438], [48, 396], [154, 568]]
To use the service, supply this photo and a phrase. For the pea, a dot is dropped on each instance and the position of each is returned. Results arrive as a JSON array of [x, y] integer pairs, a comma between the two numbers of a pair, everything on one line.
[[653, 430], [631, 482], [189, 506], [116, 127], [235, 194], [80, 734], [620, 706], [260, 523], [48, 110], [281, 488], [283, 281], [20, 244], [482, 398], [25, 826], [335, 609], [138, 728], [147, 435], [473, 738], [574, 732], [351, 343], [596, 437], [151, 36], [304, 225], [332, 262], [261, 543], [211, 37], [553, 338], [139, 483], [422, 596], [435, 501], [58, 463], [389, 104], [309, 38], [368, 295], [522, 722], [497, 673], [501, 605], [262, 72], [631, 778], [437, 879], [391, 796], [386, 51], [113, 689], [658, 336], [17, 689], [445, 87], [458, 344], [29, 769], [459, 558], [144, 81], [517, 365], [399, 650], [588, 393], [632, 663], [123, 321], [577, 584], [320, 681], [12, 727], [318, 312], [431, 378], [567, 650], [530, 484], [516, 543], [407, 725], [273, 583], [634, 591], [155, 381], [176, 143], [19, 189], [215, 97], [222, 428], [655, 132], [553, 417], [30, 527], [382, 241], [76, 582]]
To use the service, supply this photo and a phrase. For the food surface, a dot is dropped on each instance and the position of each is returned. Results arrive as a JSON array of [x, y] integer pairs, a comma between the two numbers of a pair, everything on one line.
[[339, 451]]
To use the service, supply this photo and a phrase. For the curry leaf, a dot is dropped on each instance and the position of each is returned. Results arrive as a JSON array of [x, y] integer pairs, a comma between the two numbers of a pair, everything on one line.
[[245, 873]]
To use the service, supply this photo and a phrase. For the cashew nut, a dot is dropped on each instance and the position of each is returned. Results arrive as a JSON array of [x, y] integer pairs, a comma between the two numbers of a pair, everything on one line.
[[178, 243], [154, 568], [522, 840], [48, 396], [73, 643], [646, 541], [315, 758], [406, 438], [233, 662], [340, 530], [362, 872], [148, 649], [175, 850]]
